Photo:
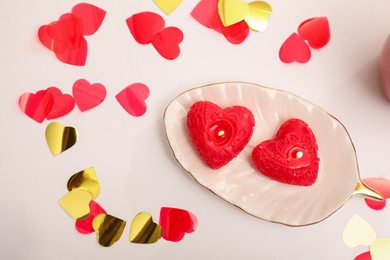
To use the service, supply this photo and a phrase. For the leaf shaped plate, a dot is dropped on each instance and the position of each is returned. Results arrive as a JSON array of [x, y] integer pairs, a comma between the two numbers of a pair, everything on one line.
[[240, 184]]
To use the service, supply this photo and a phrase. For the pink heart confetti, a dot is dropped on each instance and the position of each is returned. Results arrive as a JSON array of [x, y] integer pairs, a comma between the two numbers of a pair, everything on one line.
[[294, 49], [132, 99], [88, 96], [381, 185]]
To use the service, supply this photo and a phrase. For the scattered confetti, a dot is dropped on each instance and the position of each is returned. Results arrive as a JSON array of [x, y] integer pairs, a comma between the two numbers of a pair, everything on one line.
[[167, 6], [84, 226], [358, 232], [46, 104], [294, 49], [148, 27], [255, 14], [206, 13], [109, 229], [87, 180], [62, 105], [315, 31], [132, 99], [380, 249], [291, 157], [76, 203], [65, 37], [37, 105], [60, 138], [176, 222], [88, 96], [381, 185], [143, 230]]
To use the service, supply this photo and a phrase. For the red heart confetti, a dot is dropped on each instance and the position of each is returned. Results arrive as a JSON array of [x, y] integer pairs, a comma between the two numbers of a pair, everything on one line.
[[294, 49], [144, 26], [88, 96], [132, 99], [92, 17], [46, 104], [316, 31], [63, 104], [206, 13], [167, 42], [84, 226], [364, 256], [148, 27], [36, 106], [382, 186], [219, 135], [65, 37], [175, 223], [291, 157]]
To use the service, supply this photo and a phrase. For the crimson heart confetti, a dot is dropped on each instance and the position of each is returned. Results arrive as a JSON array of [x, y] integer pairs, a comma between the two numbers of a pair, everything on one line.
[[65, 37], [313, 32], [381, 185], [46, 104], [175, 223], [219, 135], [291, 157], [149, 27], [132, 99]]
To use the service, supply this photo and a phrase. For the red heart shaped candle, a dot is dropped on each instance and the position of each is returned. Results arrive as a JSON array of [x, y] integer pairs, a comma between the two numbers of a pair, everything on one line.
[[219, 135], [291, 157]]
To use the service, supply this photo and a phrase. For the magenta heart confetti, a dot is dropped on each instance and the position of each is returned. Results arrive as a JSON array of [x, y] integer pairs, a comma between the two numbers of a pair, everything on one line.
[[132, 99]]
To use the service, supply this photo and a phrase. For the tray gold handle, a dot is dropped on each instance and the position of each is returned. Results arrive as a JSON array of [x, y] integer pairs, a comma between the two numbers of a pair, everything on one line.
[[362, 189]]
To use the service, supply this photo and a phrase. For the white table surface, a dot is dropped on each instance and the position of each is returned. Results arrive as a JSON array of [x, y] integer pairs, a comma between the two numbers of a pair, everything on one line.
[[131, 156]]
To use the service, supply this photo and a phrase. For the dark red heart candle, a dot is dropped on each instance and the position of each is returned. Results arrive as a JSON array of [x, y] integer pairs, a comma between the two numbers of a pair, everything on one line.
[[219, 135]]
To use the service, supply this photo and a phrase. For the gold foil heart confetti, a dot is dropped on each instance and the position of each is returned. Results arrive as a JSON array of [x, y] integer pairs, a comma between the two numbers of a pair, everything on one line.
[[167, 6], [109, 229], [380, 249], [143, 230], [358, 232], [76, 203], [255, 14], [87, 180], [60, 138], [79, 203]]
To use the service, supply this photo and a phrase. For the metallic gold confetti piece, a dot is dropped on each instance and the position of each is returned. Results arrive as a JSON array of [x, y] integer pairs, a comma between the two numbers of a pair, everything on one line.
[[358, 232], [143, 230], [76, 203], [232, 11], [60, 138], [85, 179], [109, 229], [380, 249], [167, 6], [257, 18]]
